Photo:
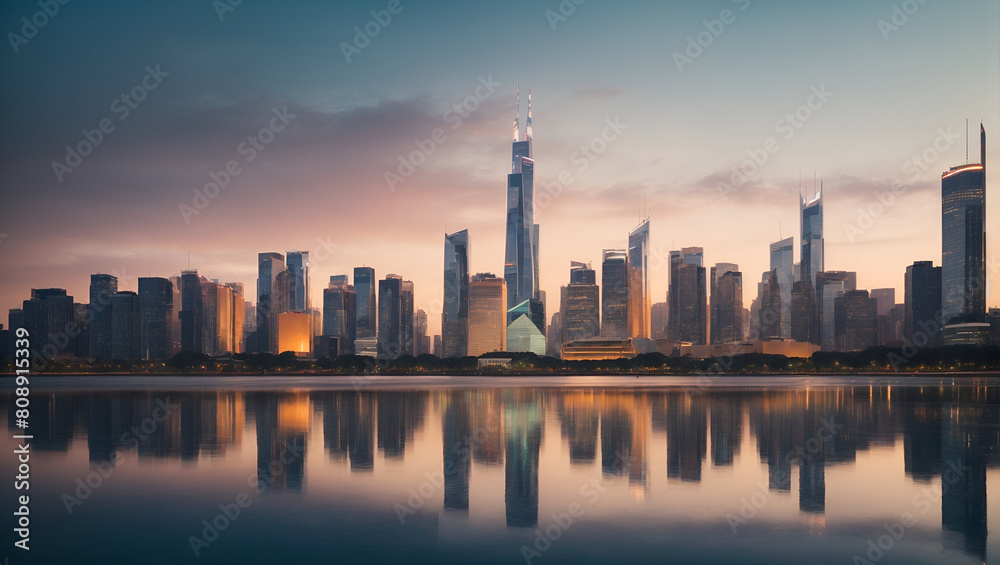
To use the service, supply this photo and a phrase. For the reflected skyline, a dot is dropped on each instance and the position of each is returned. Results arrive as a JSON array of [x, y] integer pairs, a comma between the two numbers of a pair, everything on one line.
[[809, 443]]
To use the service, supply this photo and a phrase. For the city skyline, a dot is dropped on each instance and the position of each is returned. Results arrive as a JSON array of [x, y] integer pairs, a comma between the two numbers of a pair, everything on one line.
[[90, 223]]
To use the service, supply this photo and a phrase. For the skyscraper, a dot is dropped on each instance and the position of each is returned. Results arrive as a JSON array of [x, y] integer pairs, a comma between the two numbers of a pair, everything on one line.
[[688, 316], [367, 305], [855, 324], [126, 323], [421, 341], [614, 297], [812, 237], [390, 322], [829, 286], [237, 319], [47, 316], [922, 303], [339, 316], [804, 314], [639, 300], [726, 304], [268, 267], [99, 312], [406, 318], [156, 298], [963, 252], [191, 312], [581, 309], [520, 268], [487, 314], [298, 267], [783, 264], [455, 313]]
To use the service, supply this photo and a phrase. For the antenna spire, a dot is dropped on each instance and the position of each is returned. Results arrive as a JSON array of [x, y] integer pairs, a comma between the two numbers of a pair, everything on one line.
[[517, 114], [527, 129]]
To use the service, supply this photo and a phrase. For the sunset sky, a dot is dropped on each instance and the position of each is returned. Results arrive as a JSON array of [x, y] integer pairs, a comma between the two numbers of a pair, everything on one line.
[[890, 94]]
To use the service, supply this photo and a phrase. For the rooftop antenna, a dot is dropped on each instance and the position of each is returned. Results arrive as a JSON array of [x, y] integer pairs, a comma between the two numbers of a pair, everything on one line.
[[966, 141], [189, 259], [779, 232]]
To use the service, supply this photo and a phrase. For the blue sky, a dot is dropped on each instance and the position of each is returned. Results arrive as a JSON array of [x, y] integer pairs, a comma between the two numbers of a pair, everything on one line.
[[322, 179]]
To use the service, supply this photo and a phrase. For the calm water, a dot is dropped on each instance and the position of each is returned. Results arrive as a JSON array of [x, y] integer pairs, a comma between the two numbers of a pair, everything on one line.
[[568, 470]]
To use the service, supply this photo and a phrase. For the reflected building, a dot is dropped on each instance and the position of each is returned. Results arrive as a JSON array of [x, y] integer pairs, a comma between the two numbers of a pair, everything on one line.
[[456, 430], [523, 434]]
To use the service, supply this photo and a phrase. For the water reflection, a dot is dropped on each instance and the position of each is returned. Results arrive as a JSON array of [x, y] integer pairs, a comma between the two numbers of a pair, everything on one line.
[[949, 435]]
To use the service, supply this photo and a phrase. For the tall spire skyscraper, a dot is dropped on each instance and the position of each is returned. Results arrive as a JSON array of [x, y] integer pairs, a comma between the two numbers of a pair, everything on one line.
[[521, 256], [812, 237]]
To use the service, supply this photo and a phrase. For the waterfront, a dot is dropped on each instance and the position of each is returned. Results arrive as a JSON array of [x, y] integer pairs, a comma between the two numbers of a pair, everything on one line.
[[511, 470]]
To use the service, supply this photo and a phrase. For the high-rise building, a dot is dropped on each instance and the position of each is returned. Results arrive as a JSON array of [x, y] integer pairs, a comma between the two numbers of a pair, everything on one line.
[[581, 309], [688, 316], [783, 265], [99, 313], [339, 317], [191, 313], [639, 297], [217, 318], [47, 317], [237, 317], [455, 312], [769, 304], [726, 304], [367, 305], [522, 327], [520, 266], [922, 303], [294, 333], [812, 237], [487, 314], [659, 314], [963, 252], [390, 322], [421, 341], [614, 297], [804, 313], [297, 263], [856, 325], [156, 298], [126, 326], [406, 318], [886, 300], [268, 267], [829, 286]]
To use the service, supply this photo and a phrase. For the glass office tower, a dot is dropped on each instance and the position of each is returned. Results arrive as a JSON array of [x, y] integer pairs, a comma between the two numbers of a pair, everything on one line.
[[963, 252], [366, 305], [455, 313], [520, 258], [812, 237], [783, 264], [156, 299], [298, 266], [268, 267], [614, 297], [638, 282], [99, 311]]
